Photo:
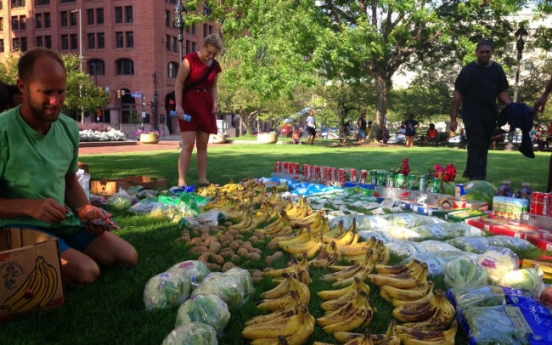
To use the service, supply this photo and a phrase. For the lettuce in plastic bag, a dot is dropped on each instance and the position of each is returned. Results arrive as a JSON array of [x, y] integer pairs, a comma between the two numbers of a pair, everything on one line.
[[464, 272], [209, 309], [194, 270], [528, 279], [193, 333], [166, 290], [497, 261], [228, 287], [119, 201]]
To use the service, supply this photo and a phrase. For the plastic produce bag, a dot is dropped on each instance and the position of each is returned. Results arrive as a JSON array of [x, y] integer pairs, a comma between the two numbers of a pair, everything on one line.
[[442, 230], [84, 180], [144, 206], [194, 270], [481, 244], [404, 248], [527, 279], [193, 333], [166, 290], [497, 261], [431, 246], [120, 201], [485, 296], [208, 308], [464, 272], [245, 278], [436, 261], [228, 287]]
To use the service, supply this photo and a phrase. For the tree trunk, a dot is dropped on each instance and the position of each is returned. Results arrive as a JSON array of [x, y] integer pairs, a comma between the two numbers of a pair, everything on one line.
[[383, 85]]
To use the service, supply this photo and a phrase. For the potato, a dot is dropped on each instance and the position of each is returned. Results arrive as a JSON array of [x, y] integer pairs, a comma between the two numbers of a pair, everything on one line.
[[225, 244], [209, 239], [256, 250], [212, 266], [269, 261], [235, 245], [226, 252], [235, 258], [272, 245], [259, 235], [219, 260], [204, 257], [219, 235], [277, 255], [226, 237], [198, 250], [194, 242], [215, 247], [238, 236], [227, 266], [256, 279], [253, 256], [254, 239], [242, 251]]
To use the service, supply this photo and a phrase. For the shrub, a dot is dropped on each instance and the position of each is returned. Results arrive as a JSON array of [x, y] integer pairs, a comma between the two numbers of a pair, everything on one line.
[[98, 127]]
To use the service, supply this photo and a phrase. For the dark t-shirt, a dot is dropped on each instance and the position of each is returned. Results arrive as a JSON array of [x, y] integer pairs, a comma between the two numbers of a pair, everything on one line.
[[361, 124], [410, 129], [480, 87]]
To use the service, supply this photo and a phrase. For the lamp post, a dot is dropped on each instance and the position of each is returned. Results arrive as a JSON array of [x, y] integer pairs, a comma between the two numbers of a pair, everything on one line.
[[179, 9], [81, 57], [154, 104]]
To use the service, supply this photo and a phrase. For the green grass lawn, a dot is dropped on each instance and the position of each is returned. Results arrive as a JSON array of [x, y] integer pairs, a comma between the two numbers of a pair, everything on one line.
[[111, 311]]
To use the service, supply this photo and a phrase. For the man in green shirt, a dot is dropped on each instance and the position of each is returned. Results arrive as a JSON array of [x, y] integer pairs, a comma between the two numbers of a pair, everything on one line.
[[38, 183]]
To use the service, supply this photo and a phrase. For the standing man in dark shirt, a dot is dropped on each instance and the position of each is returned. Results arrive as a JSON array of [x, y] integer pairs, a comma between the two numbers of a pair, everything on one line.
[[410, 130], [361, 123], [477, 87]]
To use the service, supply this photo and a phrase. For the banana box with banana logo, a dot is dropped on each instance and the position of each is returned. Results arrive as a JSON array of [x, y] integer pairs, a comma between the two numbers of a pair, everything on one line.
[[30, 275]]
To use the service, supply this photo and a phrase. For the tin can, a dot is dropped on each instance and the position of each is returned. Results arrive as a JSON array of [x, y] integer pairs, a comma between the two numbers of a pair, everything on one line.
[[290, 168], [363, 175], [327, 173], [373, 177], [305, 167], [316, 173], [296, 168], [277, 167], [435, 185], [545, 204], [390, 180], [381, 178], [459, 191], [341, 175], [412, 183], [422, 183], [400, 181], [335, 175], [352, 175], [535, 203]]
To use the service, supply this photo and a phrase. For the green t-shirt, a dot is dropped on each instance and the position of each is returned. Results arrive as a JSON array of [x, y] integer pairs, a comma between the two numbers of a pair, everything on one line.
[[33, 166]]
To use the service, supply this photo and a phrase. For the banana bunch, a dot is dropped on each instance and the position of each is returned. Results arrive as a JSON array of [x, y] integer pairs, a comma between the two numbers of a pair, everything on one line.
[[347, 294], [248, 223], [300, 209], [219, 202], [313, 220], [283, 299], [390, 336], [208, 191], [401, 297], [300, 236], [355, 313], [345, 275], [436, 314], [409, 279], [348, 237], [236, 213], [412, 336], [279, 227], [357, 285], [297, 269], [310, 248], [357, 250], [328, 256], [290, 310], [36, 291], [295, 329], [443, 313], [282, 187], [338, 230]]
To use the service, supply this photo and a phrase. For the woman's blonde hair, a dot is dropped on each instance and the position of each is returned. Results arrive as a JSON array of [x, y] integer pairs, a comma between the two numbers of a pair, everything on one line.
[[214, 40]]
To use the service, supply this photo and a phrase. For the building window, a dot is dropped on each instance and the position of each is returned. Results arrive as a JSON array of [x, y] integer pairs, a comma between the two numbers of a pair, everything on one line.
[[15, 23], [125, 67], [40, 41], [1, 45], [96, 67], [172, 69], [90, 17], [42, 2], [48, 41], [15, 45], [99, 16], [174, 45], [38, 20], [193, 29], [206, 10], [188, 47], [64, 18], [101, 41], [74, 42], [64, 42], [118, 14], [168, 19], [62, 1], [22, 22], [91, 41], [1, 24], [129, 39], [168, 43], [23, 44], [193, 46], [128, 14], [119, 43], [73, 18], [205, 30], [47, 22], [18, 3]]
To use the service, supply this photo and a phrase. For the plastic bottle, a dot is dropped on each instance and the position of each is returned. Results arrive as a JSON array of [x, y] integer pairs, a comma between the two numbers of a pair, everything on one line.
[[184, 117], [525, 193], [505, 189]]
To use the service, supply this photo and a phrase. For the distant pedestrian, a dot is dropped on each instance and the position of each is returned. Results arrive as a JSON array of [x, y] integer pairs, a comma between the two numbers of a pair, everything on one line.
[[311, 127], [362, 125], [477, 87], [410, 130]]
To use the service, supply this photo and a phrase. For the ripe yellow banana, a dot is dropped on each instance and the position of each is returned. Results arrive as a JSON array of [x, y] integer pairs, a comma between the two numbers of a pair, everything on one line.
[[438, 308], [396, 269], [335, 304], [361, 274], [346, 238], [281, 302], [301, 236], [382, 253], [313, 220], [441, 319], [417, 337], [277, 272], [327, 257], [285, 327], [360, 315], [346, 273], [337, 231], [358, 285], [311, 247], [402, 281], [409, 294]]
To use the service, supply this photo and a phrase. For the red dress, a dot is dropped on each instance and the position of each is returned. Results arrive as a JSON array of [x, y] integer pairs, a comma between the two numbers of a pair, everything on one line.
[[198, 102]]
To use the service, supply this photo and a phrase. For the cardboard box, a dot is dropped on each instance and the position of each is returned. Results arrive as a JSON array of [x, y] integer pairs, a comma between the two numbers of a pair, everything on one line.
[[500, 226], [546, 266], [112, 186], [450, 202], [22, 253], [535, 220]]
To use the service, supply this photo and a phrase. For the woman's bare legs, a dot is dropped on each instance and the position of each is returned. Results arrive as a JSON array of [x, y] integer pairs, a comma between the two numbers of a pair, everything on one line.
[[202, 139], [188, 143]]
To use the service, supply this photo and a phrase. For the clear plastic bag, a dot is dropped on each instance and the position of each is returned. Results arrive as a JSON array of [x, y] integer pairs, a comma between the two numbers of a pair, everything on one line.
[[497, 261], [120, 201], [436, 261], [144, 207], [192, 333], [194, 270], [228, 287], [209, 309], [464, 272], [527, 279], [166, 290]]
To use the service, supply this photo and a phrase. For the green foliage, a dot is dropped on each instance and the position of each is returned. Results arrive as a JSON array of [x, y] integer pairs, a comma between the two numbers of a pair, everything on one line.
[[8, 69]]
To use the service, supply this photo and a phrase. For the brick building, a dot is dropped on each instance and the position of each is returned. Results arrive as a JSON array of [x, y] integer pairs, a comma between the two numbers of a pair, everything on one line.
[[129, 47]]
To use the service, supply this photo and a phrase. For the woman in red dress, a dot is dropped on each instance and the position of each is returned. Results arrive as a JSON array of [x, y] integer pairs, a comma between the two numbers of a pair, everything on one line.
[[196, 96]]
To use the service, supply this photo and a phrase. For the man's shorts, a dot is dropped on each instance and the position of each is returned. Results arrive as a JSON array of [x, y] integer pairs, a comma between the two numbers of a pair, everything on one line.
[[362, 133], [78, 241], [311, 130]]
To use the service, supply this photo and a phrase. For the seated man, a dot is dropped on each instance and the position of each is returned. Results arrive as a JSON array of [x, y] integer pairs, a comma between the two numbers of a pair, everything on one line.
[[431, 135], [296, 136], [38, 183]]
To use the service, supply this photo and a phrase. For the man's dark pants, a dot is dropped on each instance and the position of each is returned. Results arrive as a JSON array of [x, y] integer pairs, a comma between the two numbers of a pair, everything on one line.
[[479, 128]]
